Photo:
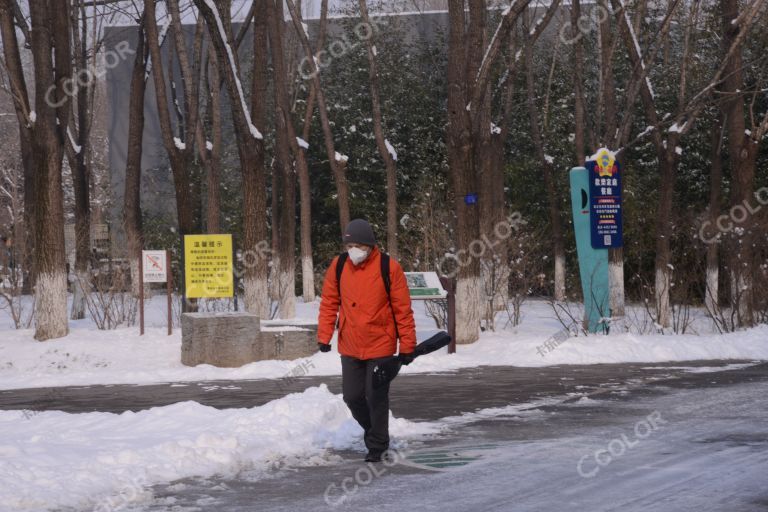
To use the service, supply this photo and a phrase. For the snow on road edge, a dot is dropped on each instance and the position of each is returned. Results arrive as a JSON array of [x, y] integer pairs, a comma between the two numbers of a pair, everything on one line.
[[49, 459]]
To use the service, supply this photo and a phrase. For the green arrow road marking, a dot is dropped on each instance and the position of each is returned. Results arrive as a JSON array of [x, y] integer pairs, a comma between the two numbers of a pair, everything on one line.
[[454, 456], [447, 464], [427, 460]]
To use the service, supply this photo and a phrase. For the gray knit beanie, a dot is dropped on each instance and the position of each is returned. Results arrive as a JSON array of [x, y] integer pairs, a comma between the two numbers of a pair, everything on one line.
[[359, 232]]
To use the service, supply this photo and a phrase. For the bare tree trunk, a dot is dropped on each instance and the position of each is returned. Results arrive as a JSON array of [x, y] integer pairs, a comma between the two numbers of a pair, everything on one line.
[[385, 148], [77, 155], [132, 221], [606, 78], [286, 144], [663, 262], [213, 211], [469, 141], [610, 130], [715, 194], [337, 161], [578, 85], [21, 104], [493, 190], [276, 189], [549, 179], [302, 169], [248, 128], [178, 148], [742, 157], [50, 40], [463, 178]]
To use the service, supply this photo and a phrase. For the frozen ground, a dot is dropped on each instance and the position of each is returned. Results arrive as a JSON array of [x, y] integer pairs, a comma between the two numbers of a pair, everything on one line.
[[485, 436], [89, 356], [688, 445]]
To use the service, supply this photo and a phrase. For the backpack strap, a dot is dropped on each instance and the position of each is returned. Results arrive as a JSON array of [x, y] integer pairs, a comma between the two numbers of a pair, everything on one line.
[[387, 286], [385, 273], [339, 268]]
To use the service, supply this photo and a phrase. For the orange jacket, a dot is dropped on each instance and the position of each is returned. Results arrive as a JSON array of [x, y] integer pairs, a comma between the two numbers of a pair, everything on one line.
[[366, 322]]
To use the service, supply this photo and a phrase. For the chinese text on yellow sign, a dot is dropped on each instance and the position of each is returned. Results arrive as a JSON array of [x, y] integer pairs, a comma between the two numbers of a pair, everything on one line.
[[208, 266]]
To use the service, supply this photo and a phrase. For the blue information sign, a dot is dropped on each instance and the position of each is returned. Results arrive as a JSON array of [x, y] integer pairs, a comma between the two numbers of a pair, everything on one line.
[[605, 200], [470, 199]]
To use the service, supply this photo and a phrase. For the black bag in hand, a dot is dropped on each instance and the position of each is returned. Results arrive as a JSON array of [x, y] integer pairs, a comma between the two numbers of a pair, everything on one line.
[[388, 368]]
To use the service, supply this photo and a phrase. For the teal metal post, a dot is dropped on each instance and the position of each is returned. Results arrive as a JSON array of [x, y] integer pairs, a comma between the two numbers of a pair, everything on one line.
[[593, 263]]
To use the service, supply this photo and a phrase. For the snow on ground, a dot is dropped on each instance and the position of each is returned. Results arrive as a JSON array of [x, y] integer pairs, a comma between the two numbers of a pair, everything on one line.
[[706, 451], [49, 459], [90, 356]]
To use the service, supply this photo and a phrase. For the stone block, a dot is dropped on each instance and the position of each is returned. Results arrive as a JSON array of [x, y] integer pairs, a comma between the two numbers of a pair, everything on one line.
[[231, 339]]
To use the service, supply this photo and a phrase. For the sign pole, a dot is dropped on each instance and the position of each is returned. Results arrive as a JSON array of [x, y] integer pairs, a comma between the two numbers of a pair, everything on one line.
[[169, 288], [141, 293], [452, 317], [451, 313], [183, 286], [234, 274]]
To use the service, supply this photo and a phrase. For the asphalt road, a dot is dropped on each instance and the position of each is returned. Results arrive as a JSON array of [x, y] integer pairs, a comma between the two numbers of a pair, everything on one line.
[[614, 438], [567, 439], [412, 396]]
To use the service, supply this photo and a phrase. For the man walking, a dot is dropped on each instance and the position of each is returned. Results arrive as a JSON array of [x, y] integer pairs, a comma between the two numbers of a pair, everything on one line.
[[369, 293]]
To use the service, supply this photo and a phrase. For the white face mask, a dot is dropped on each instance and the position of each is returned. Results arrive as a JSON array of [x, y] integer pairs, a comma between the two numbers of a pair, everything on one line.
[[357, 255]]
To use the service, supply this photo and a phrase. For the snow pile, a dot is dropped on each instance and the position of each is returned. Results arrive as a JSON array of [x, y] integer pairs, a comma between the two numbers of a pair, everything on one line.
[[49, 460]]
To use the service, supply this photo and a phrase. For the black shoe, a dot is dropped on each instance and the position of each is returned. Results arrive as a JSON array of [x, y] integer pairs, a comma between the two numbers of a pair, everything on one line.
[[373, 456]]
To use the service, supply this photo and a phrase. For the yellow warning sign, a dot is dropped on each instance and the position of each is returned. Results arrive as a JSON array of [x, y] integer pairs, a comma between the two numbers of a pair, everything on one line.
[[208, 266]]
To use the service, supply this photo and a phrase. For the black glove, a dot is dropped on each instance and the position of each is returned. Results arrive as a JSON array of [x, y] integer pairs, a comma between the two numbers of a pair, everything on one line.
[[407, 359], [324, 347]]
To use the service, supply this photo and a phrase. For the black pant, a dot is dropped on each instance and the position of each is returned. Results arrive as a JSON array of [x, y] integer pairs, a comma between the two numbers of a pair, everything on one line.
[[368, 406]]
